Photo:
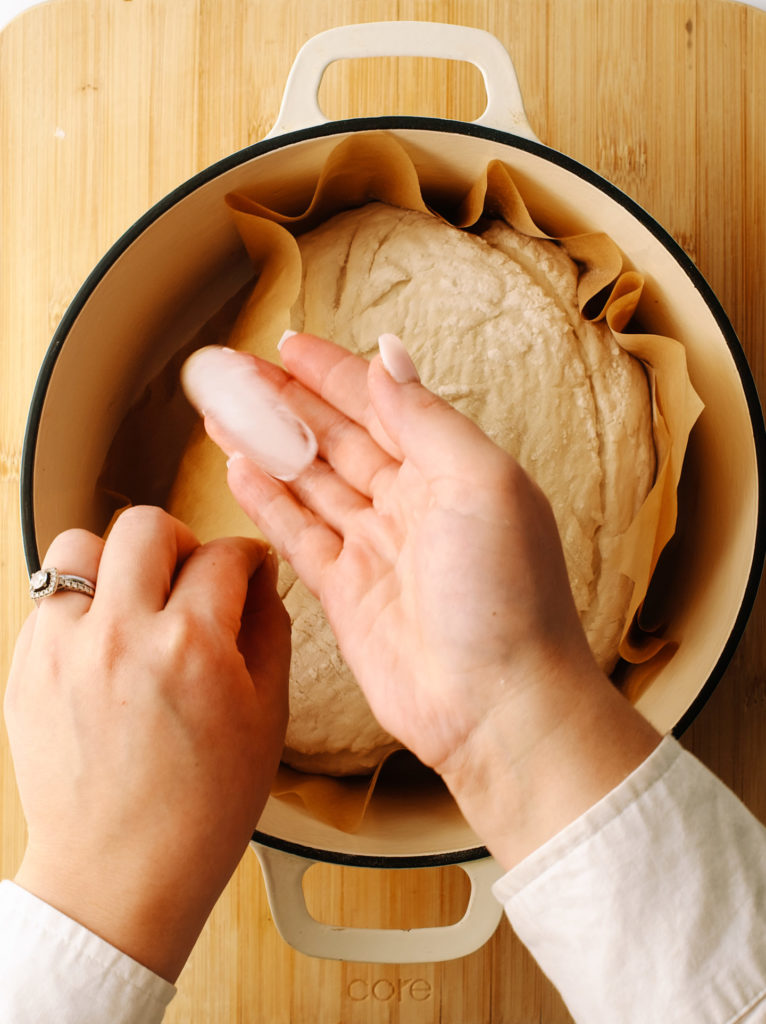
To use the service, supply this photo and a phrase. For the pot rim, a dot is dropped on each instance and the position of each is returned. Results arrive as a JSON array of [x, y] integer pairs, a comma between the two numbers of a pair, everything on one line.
[[371, 860], [429, 124]]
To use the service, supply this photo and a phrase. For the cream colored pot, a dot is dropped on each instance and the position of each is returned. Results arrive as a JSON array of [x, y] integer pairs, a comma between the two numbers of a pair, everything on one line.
[[163, 279]]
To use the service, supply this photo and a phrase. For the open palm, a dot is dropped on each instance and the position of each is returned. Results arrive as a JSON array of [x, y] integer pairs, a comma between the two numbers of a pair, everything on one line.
[[435, 557]]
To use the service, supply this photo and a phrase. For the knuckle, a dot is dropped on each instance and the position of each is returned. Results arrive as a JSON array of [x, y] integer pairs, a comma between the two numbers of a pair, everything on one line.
[[142, 515], [72, 536], [185, 636], [428, 400], [70, 543], [338, 431], [179, 633]]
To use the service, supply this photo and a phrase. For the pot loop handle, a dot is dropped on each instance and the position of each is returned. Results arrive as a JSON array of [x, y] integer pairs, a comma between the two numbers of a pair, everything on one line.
[[505, 108], [283, 874]]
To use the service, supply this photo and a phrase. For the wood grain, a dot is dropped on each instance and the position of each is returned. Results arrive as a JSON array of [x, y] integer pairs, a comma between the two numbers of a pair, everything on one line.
[[105, 105]]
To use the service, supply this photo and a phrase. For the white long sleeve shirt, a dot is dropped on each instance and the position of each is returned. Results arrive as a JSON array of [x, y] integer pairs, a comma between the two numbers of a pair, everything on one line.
[[649, 908], [54, 970]]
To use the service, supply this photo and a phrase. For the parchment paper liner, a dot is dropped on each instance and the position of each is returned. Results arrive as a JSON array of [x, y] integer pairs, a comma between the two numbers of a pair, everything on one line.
[[375, 166]]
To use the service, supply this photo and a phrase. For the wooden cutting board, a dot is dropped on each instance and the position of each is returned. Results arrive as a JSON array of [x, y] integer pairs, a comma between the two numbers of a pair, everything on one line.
[[106, 105]]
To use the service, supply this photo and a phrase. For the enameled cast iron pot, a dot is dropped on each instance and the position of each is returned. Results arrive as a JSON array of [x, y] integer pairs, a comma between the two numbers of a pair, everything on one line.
[[168, 274]]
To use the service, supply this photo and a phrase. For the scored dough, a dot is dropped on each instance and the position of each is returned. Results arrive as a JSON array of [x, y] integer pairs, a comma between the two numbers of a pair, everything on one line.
[[493, 326]]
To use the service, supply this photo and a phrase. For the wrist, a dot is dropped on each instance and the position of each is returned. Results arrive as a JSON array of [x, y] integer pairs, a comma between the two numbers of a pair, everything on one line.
[[543, 757], [150, 923]]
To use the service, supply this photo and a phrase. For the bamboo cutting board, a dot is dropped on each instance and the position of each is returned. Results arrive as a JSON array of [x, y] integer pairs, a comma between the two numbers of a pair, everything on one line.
[[106, 105]]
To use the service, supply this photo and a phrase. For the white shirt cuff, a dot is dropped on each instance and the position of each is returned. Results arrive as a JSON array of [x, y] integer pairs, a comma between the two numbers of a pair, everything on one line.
[[54, 969], [652, 905]]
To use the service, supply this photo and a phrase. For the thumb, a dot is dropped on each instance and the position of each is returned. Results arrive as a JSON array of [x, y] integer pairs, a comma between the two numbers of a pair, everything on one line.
[[428, 431], [264, 638]]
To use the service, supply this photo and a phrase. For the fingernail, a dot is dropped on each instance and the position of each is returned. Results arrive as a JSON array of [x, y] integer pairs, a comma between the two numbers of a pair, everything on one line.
[[396, 359], [250, 418], [283, 339], [272, 561]]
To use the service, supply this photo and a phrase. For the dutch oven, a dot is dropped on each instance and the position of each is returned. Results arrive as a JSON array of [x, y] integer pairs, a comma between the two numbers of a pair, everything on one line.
[[176, 266]]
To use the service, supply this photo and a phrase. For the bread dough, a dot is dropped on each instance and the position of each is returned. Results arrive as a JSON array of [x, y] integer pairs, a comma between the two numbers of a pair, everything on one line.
[[493, 326]]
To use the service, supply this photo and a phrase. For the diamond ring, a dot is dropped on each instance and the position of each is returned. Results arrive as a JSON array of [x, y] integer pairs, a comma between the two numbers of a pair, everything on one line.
[[45, 582]]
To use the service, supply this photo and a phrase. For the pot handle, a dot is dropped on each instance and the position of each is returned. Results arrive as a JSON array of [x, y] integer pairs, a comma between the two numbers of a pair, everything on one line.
[[283, 874], [504, 110]]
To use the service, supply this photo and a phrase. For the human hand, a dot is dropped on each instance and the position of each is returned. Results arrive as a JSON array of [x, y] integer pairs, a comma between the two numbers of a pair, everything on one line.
[[439, 566], [146, 725]]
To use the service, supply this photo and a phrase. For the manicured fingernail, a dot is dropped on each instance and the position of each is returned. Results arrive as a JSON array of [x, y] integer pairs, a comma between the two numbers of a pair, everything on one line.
[[283, 339], [249, 415], [396, 359]]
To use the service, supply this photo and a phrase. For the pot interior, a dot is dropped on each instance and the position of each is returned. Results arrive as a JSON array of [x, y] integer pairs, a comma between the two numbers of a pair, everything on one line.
[[177, 266]]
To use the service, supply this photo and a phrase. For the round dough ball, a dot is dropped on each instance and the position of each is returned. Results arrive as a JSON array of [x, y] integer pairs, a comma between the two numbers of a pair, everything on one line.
[[492, 323]]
